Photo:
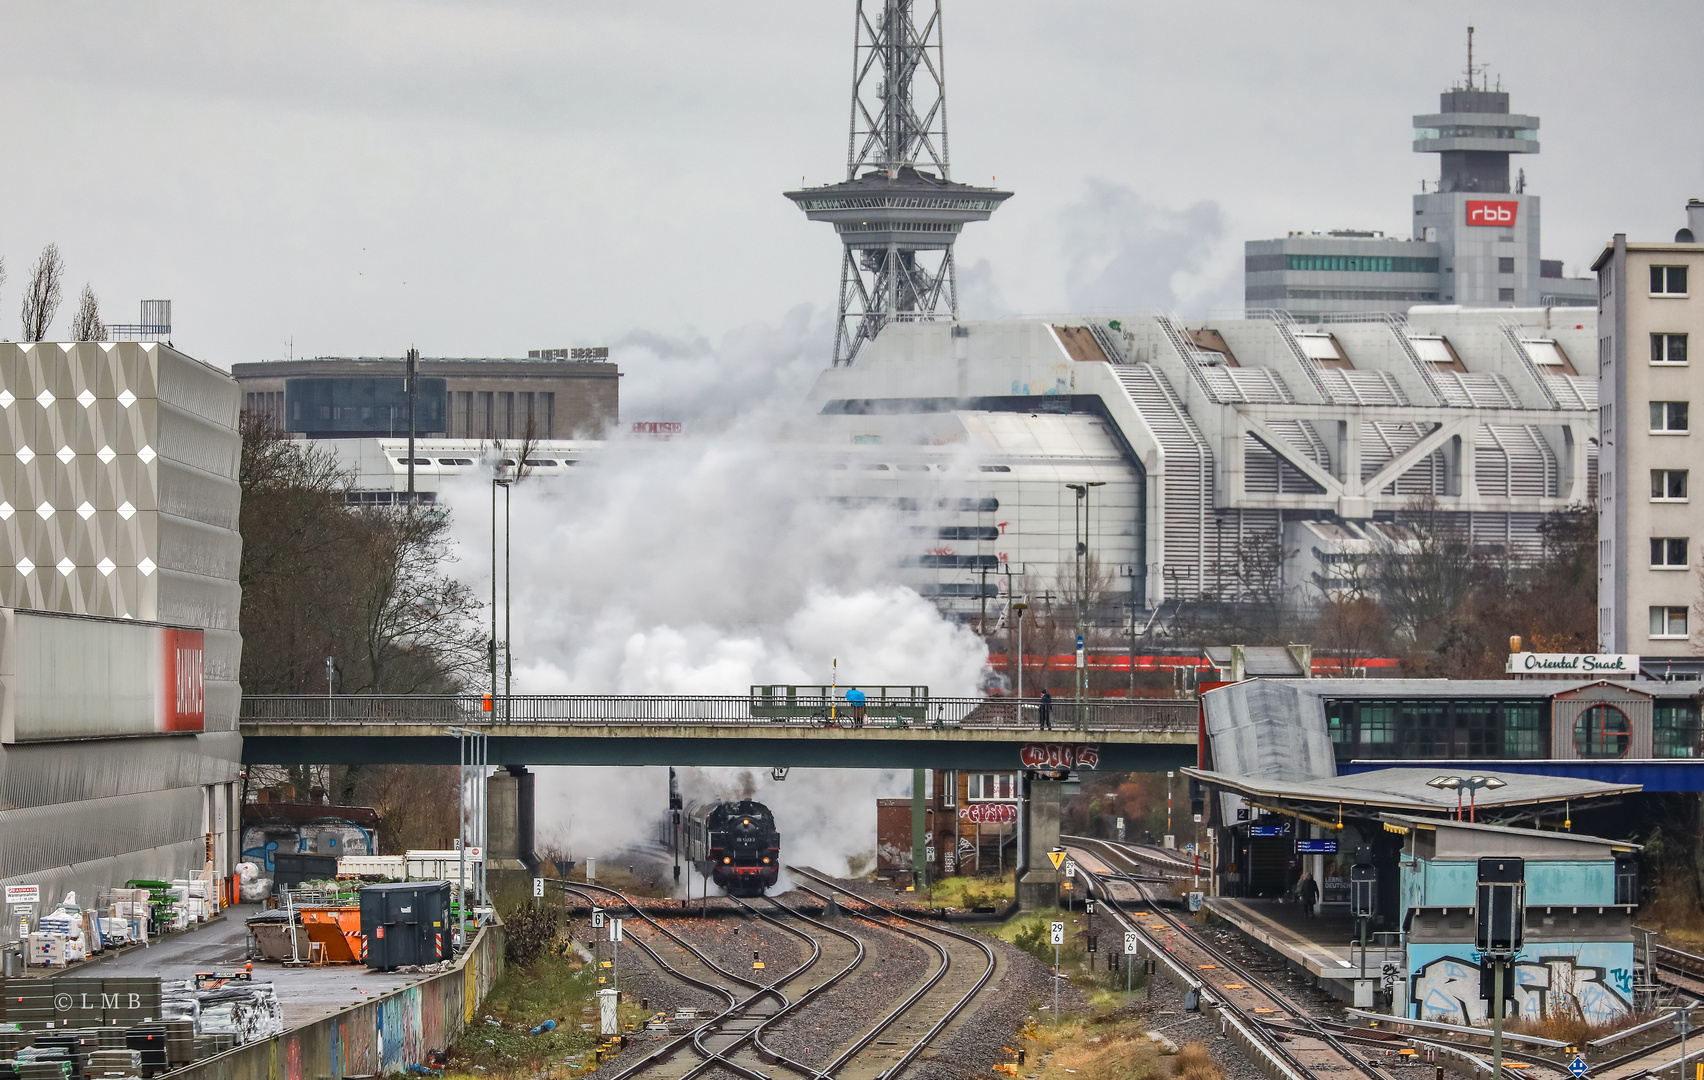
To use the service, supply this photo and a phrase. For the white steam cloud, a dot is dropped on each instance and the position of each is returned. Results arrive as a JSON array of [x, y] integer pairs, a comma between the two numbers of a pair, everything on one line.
[[702, 565]]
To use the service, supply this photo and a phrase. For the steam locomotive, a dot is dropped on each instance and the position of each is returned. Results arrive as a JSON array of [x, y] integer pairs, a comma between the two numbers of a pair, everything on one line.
[[734, 844]]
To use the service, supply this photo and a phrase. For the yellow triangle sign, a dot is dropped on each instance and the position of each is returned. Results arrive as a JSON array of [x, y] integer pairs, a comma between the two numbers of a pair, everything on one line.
[[1058, 858]]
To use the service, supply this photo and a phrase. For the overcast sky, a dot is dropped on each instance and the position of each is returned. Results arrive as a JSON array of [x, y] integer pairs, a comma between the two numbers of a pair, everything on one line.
[[485, 178]]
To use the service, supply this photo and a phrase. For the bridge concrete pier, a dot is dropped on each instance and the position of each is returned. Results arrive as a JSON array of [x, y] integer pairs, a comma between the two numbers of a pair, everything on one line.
[[509, 820], [1038, 881]]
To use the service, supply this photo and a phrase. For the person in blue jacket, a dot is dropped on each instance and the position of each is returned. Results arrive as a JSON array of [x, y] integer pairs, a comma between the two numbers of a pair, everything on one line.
[[855, 698]]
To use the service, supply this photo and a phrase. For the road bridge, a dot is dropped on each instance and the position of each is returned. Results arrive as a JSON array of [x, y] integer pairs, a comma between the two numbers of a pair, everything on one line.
[[756, 730]]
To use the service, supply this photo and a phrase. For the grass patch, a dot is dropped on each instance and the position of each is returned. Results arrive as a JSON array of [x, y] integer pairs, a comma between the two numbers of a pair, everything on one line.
[[973, 892], [1107, 1049], [553, 988]]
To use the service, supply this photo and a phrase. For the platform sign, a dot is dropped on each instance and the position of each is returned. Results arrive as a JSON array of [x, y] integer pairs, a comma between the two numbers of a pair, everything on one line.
[[1316, 847], [538, 888], [1130, 939], [1057, 937]]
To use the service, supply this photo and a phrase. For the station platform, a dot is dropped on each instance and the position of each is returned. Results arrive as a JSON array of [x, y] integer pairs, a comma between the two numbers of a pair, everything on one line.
[[305, 994], [1323, 946]]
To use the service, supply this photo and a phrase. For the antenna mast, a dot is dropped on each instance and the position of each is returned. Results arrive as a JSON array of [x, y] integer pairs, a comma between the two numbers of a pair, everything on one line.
[[898, 201]]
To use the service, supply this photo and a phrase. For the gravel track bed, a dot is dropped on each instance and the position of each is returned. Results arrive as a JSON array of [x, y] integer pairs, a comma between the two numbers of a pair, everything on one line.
[[1020, 989], [893, 965]]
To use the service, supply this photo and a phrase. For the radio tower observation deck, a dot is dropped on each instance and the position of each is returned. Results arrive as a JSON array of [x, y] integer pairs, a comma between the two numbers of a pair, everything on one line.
[[898, 211]]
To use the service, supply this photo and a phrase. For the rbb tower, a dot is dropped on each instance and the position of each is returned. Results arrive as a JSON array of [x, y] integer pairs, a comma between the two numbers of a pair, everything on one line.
[[898, 211], [1486, 227]]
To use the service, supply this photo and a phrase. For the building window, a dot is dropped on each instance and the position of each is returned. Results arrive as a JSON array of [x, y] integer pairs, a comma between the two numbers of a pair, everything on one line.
[[1505, 294], [1668, 348], [1506, 265], [1674, 729], [1668, 485], [1668, 553], [1668, 622], [1668, 281], [1602, 731], [1668, 417]]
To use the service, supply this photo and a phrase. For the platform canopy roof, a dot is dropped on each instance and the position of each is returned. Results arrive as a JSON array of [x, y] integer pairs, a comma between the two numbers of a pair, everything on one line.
[[1398, 789]]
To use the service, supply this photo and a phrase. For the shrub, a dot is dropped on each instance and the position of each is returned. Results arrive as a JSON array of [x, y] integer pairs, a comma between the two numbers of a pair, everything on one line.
[[528, 932]]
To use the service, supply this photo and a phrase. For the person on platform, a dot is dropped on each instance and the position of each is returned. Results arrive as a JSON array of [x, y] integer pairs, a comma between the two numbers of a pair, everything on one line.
[[1046, 711], [1309, 892], [855, 698]]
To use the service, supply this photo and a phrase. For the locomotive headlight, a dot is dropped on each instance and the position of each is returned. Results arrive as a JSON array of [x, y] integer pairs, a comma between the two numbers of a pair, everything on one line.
[[727, 860], [766, 859], [747, 821]]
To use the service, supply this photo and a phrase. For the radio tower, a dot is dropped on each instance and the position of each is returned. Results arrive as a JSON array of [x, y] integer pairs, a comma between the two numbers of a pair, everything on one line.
[[898, 210]]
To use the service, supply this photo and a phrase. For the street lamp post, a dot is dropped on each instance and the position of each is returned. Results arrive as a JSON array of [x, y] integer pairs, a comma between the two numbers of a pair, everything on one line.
[[1473, 785], [1080, 521], [1020, 607]]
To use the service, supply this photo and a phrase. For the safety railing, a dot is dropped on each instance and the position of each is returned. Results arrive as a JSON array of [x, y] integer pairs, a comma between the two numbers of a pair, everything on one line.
[[754, 710]]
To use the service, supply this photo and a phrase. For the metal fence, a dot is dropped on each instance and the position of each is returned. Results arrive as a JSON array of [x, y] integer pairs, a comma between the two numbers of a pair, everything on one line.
[[1095, 714]]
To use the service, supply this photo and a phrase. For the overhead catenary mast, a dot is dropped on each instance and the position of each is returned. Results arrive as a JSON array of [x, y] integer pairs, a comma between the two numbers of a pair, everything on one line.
[[898, 211]]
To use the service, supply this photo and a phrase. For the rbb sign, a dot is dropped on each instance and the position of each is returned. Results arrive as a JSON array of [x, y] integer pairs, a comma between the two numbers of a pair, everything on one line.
[[1494, 212]]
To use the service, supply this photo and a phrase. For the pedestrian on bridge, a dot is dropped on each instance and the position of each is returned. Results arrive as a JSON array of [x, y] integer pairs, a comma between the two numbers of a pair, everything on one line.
[[1046, 711], [855, 698]]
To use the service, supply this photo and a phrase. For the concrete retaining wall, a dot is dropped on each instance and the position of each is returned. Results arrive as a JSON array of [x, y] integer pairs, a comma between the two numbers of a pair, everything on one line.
[[385, 1035]]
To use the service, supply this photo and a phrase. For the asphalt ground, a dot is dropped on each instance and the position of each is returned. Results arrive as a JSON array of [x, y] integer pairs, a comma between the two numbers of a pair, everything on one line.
[[305, 994]]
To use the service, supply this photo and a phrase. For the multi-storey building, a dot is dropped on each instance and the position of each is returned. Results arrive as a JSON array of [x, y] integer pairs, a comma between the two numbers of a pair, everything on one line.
[[119, 644], [1475, 235], [554, 393], [1650, 313]]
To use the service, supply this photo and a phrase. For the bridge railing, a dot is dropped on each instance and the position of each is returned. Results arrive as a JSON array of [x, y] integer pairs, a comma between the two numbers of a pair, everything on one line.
[[1099, 714]]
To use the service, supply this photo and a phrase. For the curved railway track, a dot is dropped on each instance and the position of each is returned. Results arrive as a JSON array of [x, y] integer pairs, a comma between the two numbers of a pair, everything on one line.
[[1301, 1049], [733, 1039], [915, 1002], [1651, 1058]]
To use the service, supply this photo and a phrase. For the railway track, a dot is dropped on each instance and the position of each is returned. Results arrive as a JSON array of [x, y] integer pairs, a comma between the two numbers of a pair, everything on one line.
[[733, 1038], [1281, 1035], [1652, 1057], [943, 992]]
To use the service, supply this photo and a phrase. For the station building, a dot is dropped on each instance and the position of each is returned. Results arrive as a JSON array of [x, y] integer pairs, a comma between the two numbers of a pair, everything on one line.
[[119, 642], [1311, 777]]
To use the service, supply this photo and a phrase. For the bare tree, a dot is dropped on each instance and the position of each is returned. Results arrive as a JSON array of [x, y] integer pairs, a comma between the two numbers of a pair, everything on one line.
[[86, 325], [42, 294], [1424, 576]]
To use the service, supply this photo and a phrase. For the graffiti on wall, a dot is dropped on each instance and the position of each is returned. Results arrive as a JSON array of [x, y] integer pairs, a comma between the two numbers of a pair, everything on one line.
[[1447, 989]]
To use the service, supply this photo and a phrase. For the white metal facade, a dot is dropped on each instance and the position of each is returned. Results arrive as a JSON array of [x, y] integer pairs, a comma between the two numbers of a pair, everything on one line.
[[119, 498]]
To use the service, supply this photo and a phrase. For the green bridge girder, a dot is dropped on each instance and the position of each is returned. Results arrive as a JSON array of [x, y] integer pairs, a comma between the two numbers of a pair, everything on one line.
[[747, 745]]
